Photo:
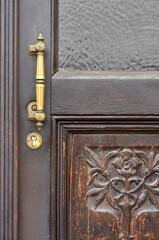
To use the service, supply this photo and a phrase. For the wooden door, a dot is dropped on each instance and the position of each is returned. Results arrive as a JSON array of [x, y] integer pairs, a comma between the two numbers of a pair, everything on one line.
[[95, 176], [105, 155]]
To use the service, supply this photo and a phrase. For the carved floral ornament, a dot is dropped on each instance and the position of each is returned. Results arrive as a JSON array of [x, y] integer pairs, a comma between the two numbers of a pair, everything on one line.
[[126, 179]]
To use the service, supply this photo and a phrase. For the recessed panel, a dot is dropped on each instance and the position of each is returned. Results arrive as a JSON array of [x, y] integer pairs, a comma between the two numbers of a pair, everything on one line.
[[113, 186]]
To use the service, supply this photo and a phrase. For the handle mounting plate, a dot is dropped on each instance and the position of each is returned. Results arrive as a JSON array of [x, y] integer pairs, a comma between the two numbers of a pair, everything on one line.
[[32, 110]]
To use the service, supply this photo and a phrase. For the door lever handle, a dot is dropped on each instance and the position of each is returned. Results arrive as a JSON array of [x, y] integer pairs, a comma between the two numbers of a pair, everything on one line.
[[36, 108]]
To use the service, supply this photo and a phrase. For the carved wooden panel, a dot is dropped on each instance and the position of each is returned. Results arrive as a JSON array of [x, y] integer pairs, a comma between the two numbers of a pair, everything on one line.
[[127, 178], [107, 179]]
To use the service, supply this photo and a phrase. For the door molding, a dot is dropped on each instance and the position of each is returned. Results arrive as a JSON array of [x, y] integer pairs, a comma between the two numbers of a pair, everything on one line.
[[54, 36], [9, 120], [63, 128]]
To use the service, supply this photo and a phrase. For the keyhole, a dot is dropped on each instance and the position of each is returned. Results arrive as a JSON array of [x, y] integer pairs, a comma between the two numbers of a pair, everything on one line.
[[33, 138]]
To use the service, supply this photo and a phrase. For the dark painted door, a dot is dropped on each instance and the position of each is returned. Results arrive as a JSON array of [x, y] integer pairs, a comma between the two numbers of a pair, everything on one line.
[[96, 176]]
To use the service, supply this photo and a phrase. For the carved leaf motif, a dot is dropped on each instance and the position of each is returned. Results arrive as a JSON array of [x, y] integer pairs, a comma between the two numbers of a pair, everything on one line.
[[93, 192], [153, 184], [110, 199], [91, 164], [99, 184], [91, 178], [151, 156], [155, 164], [93, 173], [101, 156], [142, 155], [95, 170], [141, 200], [152, 199], [94, 158], [110, 155], [100, 199], [155, 191]]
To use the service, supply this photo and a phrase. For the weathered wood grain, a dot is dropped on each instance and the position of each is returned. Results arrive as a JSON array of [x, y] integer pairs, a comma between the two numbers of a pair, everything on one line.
[[8, 119], [34, 166], [105, 93], [78, 140]]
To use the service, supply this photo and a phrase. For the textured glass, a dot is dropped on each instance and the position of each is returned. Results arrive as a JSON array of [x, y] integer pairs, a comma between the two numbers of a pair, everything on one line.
[[109, 34]]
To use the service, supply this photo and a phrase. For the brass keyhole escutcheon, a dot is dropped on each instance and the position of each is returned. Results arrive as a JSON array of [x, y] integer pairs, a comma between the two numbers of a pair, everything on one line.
[[34, 140]]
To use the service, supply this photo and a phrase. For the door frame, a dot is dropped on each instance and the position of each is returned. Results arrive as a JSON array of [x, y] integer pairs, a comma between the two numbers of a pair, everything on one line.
[[9, 57], [9, 120], [9, 112]]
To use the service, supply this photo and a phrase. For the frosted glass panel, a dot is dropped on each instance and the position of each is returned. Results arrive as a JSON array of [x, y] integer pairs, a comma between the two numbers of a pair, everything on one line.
[[109, 35]]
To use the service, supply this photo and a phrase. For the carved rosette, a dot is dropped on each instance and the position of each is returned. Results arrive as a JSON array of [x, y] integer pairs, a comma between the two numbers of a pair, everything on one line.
[[125, 179]]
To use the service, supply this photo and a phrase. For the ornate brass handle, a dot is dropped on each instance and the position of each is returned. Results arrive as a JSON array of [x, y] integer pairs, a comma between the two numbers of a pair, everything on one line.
[[36, 108]]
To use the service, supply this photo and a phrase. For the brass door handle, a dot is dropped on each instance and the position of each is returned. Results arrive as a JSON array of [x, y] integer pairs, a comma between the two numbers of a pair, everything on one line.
[[36, 108]]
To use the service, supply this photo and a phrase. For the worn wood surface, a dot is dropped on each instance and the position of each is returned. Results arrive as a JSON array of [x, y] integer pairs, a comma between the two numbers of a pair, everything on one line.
[[105, 178], [105, 155], [8, 119], [94, 115], [105, 93], [34, 165]]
